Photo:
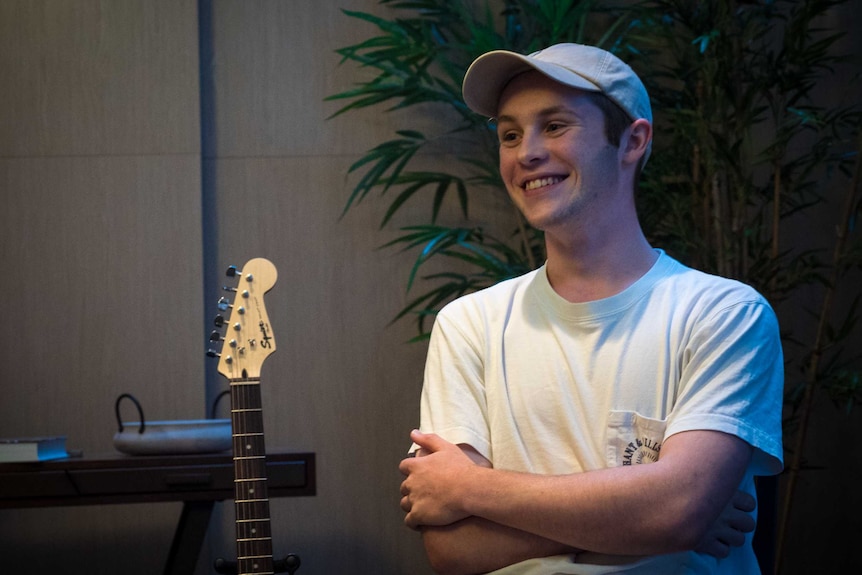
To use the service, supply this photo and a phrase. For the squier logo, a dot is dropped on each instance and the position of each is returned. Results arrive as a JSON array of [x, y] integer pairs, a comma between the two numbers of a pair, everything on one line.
[[641, 450]]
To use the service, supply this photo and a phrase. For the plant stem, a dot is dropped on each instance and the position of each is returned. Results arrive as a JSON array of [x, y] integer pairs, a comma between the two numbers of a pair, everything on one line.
[[718, 228], [811, 378]]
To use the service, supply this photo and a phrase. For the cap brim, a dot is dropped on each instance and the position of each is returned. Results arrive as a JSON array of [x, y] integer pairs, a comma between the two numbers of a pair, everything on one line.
[[490, 73]]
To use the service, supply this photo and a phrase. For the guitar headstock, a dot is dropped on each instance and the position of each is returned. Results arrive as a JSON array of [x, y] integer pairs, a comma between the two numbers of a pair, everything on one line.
[[248, 338]]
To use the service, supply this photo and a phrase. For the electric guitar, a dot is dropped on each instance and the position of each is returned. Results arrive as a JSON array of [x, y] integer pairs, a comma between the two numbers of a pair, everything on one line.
[[247, 342]]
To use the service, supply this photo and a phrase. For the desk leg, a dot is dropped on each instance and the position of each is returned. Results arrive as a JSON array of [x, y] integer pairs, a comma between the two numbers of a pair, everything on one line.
[[189, 537]]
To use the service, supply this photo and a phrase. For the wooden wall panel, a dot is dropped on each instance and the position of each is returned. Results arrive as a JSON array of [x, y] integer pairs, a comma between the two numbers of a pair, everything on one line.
[[100, 227], [106, 292], [275, 62], [95, 77]]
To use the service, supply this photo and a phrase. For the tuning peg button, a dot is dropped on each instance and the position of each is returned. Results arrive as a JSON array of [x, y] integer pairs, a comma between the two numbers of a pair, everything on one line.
[[231, 271]]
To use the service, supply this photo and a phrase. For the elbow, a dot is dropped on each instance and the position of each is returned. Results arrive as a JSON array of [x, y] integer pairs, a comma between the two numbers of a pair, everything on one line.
[[685, 531], [442, 562], [442, 555], [444, 566]]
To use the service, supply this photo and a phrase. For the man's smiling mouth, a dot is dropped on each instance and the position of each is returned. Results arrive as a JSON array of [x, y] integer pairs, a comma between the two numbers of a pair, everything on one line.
[[542, 182]]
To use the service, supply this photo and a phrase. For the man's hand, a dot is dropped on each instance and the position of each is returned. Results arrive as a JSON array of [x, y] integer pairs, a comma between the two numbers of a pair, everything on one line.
[[429, 493], [731, 527]]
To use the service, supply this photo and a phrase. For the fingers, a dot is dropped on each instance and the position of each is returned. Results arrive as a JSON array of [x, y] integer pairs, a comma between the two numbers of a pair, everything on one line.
[[742, 522], [719, 542], [715, 548], [731, 528], [404, 466], [744, 501], [739, 513], [429, 442], [407, 507]]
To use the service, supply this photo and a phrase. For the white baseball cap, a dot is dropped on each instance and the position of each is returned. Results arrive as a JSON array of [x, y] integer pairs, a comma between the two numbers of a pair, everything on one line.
[[584, 67]]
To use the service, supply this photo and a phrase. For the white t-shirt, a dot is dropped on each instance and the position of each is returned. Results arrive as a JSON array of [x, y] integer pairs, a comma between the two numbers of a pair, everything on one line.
[[541, 385]]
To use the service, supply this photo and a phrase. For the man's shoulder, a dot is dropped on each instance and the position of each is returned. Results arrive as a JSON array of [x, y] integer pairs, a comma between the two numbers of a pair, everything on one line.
[[687, 282], [492, 297]]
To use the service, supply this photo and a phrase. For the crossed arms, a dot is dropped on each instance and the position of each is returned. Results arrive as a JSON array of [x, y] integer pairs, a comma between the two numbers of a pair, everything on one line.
[[475, 519]]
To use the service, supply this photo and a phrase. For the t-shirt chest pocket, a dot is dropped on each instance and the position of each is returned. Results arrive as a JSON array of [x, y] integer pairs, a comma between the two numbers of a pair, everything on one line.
[[633, 439]]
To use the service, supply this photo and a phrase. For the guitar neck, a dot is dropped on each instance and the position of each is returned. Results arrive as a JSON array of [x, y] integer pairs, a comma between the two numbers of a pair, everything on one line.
[[253, 533]]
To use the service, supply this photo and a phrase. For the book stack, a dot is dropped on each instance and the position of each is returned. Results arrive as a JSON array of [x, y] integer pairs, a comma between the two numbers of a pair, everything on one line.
[[33, 448]]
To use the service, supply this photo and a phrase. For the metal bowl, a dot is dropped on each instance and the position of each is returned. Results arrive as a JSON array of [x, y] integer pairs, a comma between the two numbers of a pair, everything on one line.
[[170, 437]]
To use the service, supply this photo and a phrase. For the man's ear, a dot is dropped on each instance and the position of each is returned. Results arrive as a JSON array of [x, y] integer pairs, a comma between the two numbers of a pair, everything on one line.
[[636, 139]]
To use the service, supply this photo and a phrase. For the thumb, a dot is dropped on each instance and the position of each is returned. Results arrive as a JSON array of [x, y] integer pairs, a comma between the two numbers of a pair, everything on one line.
[[428, 441]]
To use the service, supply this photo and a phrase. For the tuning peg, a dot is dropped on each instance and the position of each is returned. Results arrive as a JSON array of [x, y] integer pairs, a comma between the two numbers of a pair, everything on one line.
[[219, 321], [224, 304], [244, 293], [216, 336], [214, 353], [232, 271]]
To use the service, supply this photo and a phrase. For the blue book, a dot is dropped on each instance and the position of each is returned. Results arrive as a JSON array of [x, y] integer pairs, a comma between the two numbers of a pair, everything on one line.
[[32, 448]]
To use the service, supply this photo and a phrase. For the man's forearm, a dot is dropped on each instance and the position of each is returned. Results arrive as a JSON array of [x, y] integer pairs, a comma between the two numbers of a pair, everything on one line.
[[668, 505], [475, 545]]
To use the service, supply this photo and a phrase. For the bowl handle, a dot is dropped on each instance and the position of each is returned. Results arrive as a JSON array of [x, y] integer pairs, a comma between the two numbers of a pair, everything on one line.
[[214, 413], [137, 404]]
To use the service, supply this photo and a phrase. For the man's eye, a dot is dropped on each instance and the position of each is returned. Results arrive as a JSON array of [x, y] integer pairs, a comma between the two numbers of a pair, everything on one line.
[[554, 126]]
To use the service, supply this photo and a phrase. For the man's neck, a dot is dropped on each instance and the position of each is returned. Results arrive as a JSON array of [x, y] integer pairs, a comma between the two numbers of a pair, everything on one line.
[[588, 269]]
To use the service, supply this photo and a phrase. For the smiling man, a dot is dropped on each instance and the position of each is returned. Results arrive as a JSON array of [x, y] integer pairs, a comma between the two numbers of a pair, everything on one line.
[[606, 413]]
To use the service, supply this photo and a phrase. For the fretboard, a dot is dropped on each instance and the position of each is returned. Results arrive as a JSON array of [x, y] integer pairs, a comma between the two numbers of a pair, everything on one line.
[[253, 533]]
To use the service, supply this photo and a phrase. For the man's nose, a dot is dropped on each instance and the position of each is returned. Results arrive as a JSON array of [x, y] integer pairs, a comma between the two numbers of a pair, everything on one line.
[[532, 149]]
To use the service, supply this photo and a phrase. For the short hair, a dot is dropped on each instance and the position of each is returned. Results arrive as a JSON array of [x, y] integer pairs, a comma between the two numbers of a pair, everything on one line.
[[616, 122]]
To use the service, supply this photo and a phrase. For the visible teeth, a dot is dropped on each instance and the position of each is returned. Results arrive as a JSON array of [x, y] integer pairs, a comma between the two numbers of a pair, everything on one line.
[[534, 184]]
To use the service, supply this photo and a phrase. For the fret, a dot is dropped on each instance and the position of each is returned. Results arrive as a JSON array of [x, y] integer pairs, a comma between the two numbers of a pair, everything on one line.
[[253, 554], [251, 539]]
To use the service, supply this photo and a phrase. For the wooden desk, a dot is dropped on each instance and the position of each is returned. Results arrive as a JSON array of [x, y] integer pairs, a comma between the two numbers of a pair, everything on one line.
[[196, 480]]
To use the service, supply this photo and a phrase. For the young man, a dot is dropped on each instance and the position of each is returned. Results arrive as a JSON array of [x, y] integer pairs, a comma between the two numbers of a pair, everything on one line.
[[606, 413]]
